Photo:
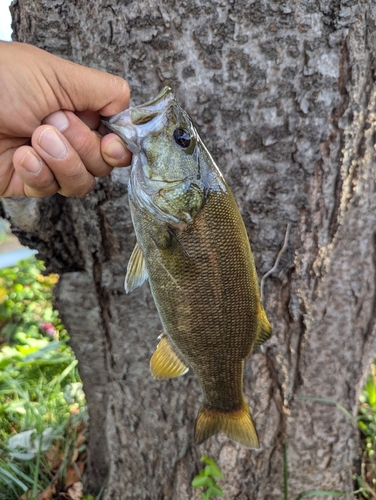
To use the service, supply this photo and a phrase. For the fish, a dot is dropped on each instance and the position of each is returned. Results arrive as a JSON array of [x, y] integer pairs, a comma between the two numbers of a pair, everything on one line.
[[193, 247]]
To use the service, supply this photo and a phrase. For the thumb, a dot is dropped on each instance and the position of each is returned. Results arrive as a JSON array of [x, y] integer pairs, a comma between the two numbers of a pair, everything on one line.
[[91, 89]]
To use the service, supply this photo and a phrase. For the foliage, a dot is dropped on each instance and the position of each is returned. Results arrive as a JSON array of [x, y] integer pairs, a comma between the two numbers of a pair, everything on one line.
[[367, 424], [305, 494], [26, 309], [206, 479], [42, 406], [43, 416]]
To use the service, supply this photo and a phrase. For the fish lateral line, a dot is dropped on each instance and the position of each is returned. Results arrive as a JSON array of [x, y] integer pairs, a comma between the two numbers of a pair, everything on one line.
[[171, 232], [168, 272]]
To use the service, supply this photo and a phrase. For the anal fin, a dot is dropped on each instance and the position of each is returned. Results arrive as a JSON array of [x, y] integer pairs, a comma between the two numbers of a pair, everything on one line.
[[136, 270], [264, 331], [165, 363]]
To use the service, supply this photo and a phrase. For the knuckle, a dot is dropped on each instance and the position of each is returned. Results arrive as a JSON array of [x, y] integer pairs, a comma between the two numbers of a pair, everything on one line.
[[78, 182], [40, 192], [87, 189], [88, 151], [36, 193], [83, 145], [75, 174], [43, 181], [91, 158]]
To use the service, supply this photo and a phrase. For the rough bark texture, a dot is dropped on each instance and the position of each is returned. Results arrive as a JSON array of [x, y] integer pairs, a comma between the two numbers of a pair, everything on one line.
[[284, 93]]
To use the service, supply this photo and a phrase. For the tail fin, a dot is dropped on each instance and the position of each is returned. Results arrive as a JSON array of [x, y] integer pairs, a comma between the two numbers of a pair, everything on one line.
[[237, 425]]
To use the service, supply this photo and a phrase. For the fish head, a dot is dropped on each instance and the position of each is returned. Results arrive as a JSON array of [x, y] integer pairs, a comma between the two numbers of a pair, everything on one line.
[[170, 164]]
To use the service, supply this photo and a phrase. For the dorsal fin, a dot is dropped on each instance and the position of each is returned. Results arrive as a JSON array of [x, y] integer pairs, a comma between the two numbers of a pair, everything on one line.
[[165, 363], [136, 270], [264, 331]]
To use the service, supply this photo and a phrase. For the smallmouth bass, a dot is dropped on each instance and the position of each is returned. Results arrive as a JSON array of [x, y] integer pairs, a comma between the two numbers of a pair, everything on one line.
[[193, 247]]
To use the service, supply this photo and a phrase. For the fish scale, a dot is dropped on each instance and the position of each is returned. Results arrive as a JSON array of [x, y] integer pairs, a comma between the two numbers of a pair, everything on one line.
[[193, 247]]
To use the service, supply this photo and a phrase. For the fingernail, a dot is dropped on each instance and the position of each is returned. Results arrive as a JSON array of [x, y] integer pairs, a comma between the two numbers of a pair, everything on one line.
[[51, 142], [31, 163], [58, 120], [115, 150]]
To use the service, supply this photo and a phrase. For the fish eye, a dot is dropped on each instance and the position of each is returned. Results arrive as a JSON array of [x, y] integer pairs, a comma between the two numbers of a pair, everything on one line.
[[182, 138]]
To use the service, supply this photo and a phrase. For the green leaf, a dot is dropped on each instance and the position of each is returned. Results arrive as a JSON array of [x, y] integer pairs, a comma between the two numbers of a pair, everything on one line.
[[213, 470], [5, 475], [64, 373], [207, 460], [4, 363], [203, 481], [40, 353], [25, 445], [370, 389], [19, 473], [22, 456], [215, 491], [202, 473]]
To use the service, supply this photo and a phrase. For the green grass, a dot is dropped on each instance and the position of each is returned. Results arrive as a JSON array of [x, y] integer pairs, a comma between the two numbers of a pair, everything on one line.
[[42, 405], [367, 425]]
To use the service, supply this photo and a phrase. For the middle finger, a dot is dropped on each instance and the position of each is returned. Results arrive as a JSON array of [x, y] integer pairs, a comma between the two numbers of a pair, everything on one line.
[[64, 161]]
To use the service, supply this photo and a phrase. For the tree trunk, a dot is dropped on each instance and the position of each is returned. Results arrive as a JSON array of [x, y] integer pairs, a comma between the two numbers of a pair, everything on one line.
[[284, 94]]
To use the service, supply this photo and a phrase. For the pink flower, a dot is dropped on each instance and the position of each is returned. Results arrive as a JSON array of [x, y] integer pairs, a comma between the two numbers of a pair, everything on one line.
[[48, 328]]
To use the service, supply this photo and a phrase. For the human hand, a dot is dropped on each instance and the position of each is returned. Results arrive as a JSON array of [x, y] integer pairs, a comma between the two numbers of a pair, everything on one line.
[[50, 131]]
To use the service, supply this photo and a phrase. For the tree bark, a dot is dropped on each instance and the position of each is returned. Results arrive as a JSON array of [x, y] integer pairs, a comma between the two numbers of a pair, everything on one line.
[[284, 94]]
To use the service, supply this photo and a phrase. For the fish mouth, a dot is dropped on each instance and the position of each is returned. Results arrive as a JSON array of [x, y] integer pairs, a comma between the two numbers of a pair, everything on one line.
[[147, 111], [145, 118]]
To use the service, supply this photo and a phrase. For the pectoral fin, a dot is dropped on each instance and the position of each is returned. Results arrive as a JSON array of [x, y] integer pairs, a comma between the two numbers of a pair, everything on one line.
[[165, 363], [264, 331], [136, 270]]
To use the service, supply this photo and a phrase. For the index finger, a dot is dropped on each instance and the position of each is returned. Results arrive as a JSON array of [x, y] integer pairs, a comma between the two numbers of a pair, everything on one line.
[[90, 88]]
